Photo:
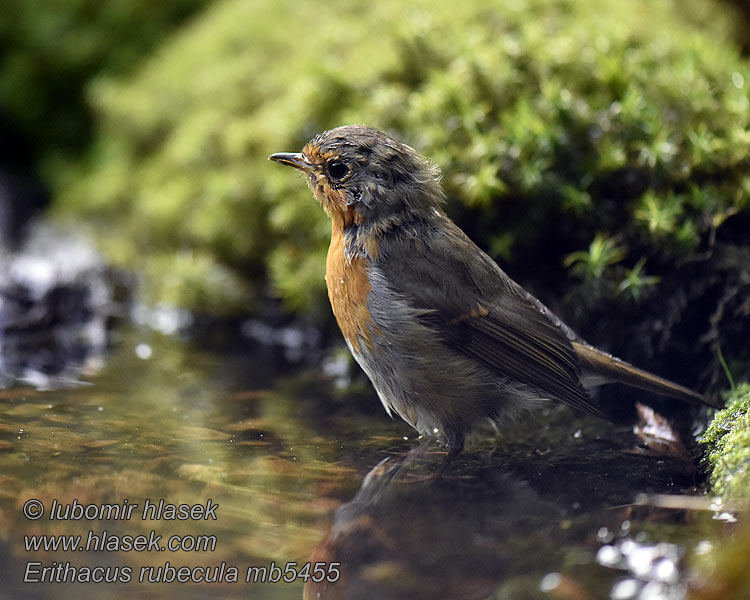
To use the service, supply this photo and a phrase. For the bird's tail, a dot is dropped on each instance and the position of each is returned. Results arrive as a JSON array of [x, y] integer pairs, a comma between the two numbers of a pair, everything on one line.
[[605, 368]]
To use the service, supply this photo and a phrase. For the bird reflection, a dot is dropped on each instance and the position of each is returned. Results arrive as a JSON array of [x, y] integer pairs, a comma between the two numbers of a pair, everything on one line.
[[403, 536]]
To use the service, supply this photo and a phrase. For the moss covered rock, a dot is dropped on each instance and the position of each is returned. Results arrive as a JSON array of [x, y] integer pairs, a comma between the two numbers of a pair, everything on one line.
[[722, 572], [608, 137], [728, 446]]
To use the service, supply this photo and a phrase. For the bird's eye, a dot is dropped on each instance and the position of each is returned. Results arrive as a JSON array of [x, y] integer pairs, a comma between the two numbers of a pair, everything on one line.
[[337, 170]]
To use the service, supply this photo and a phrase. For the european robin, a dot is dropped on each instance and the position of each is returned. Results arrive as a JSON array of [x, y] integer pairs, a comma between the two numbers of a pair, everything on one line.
[[446, 337]]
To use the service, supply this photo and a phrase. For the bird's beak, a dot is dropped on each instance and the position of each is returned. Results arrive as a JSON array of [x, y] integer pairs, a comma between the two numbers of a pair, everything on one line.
[[293, 159]]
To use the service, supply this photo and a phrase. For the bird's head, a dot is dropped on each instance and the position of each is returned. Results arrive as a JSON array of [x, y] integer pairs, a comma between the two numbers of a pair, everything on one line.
[[363, 176]]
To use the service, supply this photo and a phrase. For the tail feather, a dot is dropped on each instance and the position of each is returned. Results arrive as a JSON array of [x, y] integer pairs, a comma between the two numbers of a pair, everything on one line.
[[607, 368]]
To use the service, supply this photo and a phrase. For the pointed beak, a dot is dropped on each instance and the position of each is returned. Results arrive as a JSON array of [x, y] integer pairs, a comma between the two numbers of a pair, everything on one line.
[[293, 159]]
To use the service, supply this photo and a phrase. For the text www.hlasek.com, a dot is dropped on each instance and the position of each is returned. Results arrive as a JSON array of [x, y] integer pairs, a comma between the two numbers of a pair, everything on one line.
[[107, 542]]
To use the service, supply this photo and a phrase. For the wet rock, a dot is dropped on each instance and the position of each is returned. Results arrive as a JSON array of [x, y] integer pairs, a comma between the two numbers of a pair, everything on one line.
[[57, 301]]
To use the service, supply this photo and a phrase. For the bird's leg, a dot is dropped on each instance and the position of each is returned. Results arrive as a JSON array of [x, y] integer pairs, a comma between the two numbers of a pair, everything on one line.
[[455, 443]]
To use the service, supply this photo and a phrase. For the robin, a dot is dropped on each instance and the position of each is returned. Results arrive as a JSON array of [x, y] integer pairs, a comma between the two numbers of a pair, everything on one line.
[[446, 337]]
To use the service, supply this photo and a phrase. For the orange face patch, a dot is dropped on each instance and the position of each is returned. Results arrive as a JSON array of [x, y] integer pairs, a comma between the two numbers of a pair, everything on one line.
[[346, 279], [332, 199]]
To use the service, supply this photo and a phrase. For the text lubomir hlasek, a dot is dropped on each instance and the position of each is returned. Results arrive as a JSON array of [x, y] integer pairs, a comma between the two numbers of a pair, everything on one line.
[[160, 510]]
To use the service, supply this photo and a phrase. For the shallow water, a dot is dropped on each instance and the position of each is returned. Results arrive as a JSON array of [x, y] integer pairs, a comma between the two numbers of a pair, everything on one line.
[[298, 469]]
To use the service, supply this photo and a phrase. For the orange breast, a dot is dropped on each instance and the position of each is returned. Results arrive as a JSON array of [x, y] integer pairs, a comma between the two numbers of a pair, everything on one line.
[[348, 288]]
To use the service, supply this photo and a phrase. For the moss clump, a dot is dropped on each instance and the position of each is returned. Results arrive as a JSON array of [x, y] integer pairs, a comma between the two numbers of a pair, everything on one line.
[[722, 573], [613, 134], [728, 446]]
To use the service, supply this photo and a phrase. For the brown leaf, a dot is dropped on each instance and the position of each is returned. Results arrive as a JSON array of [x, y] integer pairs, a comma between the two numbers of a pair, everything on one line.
[[658, 437]]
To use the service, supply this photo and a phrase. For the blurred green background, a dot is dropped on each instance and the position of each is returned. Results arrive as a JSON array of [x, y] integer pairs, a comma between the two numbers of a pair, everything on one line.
[[598, 150]]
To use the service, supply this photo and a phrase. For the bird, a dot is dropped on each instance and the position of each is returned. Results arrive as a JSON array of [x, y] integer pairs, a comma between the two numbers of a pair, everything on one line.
[[446, 337]]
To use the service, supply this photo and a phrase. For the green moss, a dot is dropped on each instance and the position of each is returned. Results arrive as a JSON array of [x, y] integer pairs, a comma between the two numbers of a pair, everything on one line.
[[727, 442], [553, 122]]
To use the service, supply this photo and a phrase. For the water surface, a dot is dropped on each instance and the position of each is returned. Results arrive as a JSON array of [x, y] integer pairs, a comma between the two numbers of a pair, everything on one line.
[[303, 470]]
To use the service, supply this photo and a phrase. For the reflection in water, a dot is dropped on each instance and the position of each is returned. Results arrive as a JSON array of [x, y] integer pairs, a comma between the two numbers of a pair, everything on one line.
[[182, 425], [486, 533], [450, 537], [279, 449]]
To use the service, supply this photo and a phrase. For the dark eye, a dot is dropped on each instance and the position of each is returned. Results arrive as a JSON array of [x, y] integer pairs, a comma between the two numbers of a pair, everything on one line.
[[337, 170]]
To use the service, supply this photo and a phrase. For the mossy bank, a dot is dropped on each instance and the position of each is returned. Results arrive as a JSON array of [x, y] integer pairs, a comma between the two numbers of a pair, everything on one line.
[[597, 150]]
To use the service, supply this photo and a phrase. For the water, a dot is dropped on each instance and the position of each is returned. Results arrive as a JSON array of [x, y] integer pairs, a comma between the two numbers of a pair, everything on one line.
[[280, 464]]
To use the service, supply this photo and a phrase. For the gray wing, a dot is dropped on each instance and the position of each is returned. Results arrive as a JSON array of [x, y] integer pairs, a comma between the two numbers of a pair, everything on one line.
[[477, 310]]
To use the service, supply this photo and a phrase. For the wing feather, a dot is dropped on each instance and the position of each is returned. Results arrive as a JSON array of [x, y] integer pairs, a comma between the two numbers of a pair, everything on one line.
[[478, 311]]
